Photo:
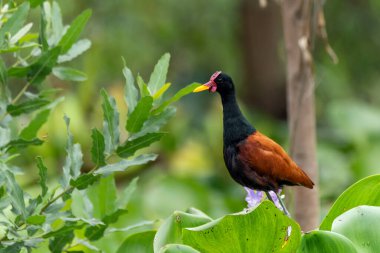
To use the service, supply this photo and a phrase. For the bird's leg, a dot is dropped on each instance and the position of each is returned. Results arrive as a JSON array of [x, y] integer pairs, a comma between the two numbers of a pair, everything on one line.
[[269, 196], [282, 204], [279, 200]]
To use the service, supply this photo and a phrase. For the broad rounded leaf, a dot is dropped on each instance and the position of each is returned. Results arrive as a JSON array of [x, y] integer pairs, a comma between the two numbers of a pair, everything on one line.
[[177, 248], [263, 229], [361, 225], [138, 243], [363, 192], [171, 230], [326, 242], [36, 219]]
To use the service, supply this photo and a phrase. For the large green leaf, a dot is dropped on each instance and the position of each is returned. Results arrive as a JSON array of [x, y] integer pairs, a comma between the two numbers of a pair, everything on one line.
[[131, 146], [124, 198], [138, 243], [15, 22], [177, 248], [264, 229], [182, 92], [130, 91], [30, 131], [326, 242], [158, 76], [124, 164], [361, 225], [35, 3], [363, 192], [103, 197], [171, 230], [75, 29], [43, 175], [27, 106], [110, 122], [98, 148], [139, 115]]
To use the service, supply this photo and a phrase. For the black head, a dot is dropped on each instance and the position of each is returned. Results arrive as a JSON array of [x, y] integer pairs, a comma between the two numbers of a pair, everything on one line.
[[224, 84], [219, 82]]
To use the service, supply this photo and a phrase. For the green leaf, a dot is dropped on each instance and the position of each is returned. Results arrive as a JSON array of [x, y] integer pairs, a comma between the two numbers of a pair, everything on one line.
[[18, 71], [5, 136], [139, 115], [43, 175], [43, 66], [127, 193], [76, 49], [161, 91], [15, 22], [182, 92], [20, 143], [158, 76], [103, 197], [16, 194], [83, 181], [355, 195], [130, 147], [110, 123], [57, 243], [144, 91], [35, 3], [36, 219], [27, 106], [177, 248], [138, 243], [43, 27], [75, 29], [69, 74], [360, 225], [30, 131], [171, 230], [264, 229], [57, 28], [155, 122], [96, 232], [73, 162], [130, 91], [98, 148], [326, 242], [124, 164], [3, 77]]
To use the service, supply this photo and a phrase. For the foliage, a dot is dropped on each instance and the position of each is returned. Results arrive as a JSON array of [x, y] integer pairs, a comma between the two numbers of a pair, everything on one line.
[[266, 229], [78, 211]]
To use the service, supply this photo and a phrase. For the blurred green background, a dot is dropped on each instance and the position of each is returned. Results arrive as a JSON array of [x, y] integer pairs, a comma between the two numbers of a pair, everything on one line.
[[246, 42]]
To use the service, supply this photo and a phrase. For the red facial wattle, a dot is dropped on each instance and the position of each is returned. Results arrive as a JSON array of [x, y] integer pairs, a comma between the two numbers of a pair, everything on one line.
[[210, 85]]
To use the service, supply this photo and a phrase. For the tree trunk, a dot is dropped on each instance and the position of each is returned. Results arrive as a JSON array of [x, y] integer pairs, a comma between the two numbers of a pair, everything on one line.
[[301, 109], [264, 76]]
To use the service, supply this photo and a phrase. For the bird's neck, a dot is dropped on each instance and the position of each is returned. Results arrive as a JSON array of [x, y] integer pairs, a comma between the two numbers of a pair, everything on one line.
[[235, 126]]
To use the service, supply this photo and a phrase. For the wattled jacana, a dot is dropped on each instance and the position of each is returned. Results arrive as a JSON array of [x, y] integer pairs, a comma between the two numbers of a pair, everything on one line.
[[252, 159]]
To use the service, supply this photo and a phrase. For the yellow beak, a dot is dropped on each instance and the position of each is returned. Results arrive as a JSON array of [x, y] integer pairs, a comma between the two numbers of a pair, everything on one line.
[[201, 88]]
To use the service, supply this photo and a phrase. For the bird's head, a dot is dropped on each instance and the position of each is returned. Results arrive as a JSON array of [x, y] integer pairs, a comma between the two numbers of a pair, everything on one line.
[[219, 82]]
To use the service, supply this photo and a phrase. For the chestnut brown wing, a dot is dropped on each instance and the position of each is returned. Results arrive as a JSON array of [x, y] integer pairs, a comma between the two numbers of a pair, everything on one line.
[[268, 159]]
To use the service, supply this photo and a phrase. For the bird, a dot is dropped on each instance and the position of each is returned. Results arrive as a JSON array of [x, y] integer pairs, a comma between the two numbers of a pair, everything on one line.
[[253, 160]]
